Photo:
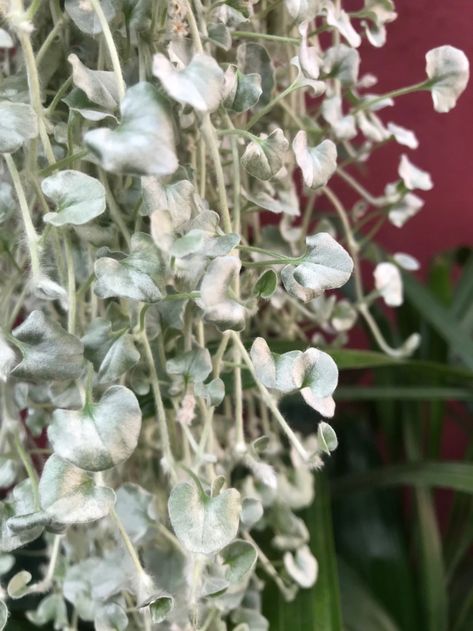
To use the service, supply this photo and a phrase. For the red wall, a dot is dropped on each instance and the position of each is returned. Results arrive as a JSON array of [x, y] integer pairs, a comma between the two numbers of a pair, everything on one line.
[[446, 140]]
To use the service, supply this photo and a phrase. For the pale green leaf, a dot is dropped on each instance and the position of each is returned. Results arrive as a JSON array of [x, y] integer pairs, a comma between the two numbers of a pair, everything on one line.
[[100, 86], [102, 434], [143, 143], [194, 365], [84, 17], [18, 585], [69, 495], [133, 276], [239, 558], [199, 84], [326, 265], [78, 198], [242, 91], [3, 615], [121, 356], [264, 158], [18, 124], [134, 509], [254, 58], [49, 353], [202, 523], [111, 617]]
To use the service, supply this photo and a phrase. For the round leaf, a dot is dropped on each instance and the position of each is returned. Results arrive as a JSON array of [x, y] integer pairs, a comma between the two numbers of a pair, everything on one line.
[[102, 434], [318, 164], [18, 123], [239, 558], [69, 495], [448, 69], [78, 197]]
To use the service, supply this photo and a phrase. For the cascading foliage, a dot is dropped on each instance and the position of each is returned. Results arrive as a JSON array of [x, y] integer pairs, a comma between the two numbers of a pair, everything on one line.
[[154, 248]]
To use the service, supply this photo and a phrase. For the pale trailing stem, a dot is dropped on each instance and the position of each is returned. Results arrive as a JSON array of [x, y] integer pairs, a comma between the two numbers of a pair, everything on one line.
[[271, 403], [112, 49]]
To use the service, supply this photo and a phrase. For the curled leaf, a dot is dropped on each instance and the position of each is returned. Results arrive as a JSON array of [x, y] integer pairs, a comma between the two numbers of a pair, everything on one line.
[[215, 298], [143, 143], [318, 163], [326, 265], [48, 352], [264, 158], [302, 566], [388, 282], [199, 84], [448, 69]]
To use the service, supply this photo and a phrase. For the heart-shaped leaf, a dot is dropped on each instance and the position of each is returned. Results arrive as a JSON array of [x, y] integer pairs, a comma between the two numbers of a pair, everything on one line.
[[448, 69], [69, 495], [121, 356], [78, 197], [102, 434], [111, 617], [302, 10], [302, 566], [85, 18], [132, 276], [143, 143], [242, 91], [254, 58], [343, 63], [49, 353], [199, 84], [326, 265], [161, 608], [239, 557], [264, 158], [312, 372], [100, 86], [319, 163], [50, 609], [18, 123], [20, 502], [194, 365], [202, 523]]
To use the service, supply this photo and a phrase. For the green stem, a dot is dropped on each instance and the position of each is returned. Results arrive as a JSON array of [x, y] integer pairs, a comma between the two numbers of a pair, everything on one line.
[[270, 402], [31, 234], [48, 41], [160, 409], [238, 132], [127, 542], [35, 91], [266, 36], [71, 285], [29, 468], [267, 108], [112, 49], [416, 87]]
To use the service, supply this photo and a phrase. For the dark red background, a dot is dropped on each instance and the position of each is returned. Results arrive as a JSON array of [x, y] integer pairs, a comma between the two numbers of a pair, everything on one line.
[[446, 140]]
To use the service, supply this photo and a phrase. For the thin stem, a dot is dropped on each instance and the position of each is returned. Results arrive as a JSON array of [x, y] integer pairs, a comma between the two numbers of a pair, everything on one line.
[[30, 470], [378, 202], [267, 108], [48, 41], [160, 409], [416, 87], [238, 132], [270, 402], [114, 208], [112, 49], [31, 234], [266, 36], [211, 141], [35, 91], [127, 542], [71, 285], [268, 567]]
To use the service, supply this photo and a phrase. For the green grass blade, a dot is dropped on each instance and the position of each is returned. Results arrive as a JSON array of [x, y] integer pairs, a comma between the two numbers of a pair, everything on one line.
[[440, 318], [409, 393], [456, 476]]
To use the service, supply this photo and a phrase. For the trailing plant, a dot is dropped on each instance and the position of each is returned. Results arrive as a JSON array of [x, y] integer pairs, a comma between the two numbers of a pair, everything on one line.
[[155, 252]]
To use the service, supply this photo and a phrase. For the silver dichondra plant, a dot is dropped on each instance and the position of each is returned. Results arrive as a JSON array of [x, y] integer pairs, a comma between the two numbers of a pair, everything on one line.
[[154, 247]]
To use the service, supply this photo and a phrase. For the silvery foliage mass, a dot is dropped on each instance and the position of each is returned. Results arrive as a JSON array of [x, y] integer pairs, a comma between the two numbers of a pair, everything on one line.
[[153, 249]]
